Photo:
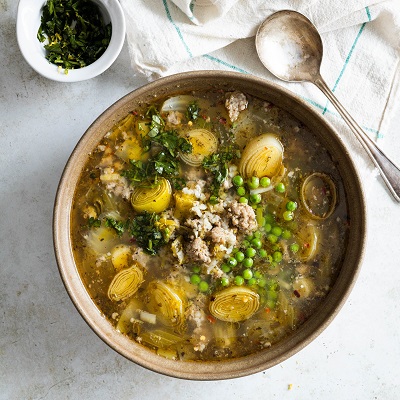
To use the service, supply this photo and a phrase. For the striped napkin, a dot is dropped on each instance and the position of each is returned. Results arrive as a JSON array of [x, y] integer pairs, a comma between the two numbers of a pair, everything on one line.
[[361, 42]]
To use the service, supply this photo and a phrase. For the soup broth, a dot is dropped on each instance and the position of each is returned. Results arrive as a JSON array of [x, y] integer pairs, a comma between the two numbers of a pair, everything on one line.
[[209, 225]]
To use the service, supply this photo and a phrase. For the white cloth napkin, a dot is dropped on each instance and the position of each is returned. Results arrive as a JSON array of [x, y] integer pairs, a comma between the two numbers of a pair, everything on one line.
[[361, 52]]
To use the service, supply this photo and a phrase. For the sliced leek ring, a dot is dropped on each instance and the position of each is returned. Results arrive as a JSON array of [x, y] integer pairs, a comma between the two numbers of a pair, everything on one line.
[[125, 283], [318, 195], [152, 199], [131, 149], [167, 302], [121, 256], [234, 304], [261, 157], [177, 103], [309, 242], [204, 143]]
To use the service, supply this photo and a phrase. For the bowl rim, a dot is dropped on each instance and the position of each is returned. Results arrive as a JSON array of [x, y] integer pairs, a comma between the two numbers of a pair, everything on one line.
[[27, 25], [235, 368]]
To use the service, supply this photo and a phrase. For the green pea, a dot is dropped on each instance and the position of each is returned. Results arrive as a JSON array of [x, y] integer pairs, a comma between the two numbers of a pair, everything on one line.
[[269, 258], [226, 268], [272, 238], [196, 269], [277, 256], [275, 247], [257, 274], [255, 198], [252, 281], [256, 242], [262, 253], [267, 227], [248, 262], [280, 187], [224, 281], [261, 282], [269, 218], [286, 234], [239, 256], [294, 247], [271, 304], [276, 230], [291, 205], [195, 279], [241, 191], [239, 280], [257, 234], [232, 262], [243, 200], [253, 182], [250, 252], [213, 199], [288, 215], [247, 274], [246, 243], [237, 180], [249, 237], [265, 182], [203, 286]]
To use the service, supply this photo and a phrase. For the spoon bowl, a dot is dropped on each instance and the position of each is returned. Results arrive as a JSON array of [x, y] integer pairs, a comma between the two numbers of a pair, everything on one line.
[[290, 47]]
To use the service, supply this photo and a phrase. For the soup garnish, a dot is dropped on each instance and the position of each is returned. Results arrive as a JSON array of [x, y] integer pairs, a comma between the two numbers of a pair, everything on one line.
[[209, 225]]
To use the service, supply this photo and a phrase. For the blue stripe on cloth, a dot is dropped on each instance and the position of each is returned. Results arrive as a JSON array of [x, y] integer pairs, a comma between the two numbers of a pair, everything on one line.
[[325, 110], [219, 61], [346, 63], [368, 14], [178, 31], [348, 57]]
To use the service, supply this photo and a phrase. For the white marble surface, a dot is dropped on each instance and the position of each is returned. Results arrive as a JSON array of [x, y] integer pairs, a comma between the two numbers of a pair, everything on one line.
[[46, 349]]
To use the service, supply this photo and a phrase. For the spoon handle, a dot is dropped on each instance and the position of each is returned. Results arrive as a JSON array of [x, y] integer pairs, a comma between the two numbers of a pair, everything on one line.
[[389, 171]]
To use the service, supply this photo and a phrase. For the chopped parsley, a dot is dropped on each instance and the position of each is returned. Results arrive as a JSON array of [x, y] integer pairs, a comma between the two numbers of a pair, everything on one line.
[[142, 227], [192, 112], [146, 232], [163, 163], [94, 222], [217, 165], [76, 32], [118, 226], [157, 124]]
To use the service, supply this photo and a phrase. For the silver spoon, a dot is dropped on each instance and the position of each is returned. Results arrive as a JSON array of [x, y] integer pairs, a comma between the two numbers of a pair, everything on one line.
[[290, 47]]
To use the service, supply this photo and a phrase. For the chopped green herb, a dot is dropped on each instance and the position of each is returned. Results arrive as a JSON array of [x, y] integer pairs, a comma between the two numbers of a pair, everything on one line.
[[173, 142], [118, 226], [157, 124], [192, 112], [164, 163], [137, 172], [146, 232], [76, 33], [217, 164], [94, 222]]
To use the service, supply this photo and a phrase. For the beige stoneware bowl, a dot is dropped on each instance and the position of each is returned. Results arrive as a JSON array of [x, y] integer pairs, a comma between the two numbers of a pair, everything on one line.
[[323, 315]]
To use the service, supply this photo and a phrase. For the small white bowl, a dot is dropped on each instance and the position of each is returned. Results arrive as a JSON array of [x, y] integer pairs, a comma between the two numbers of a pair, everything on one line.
[[28, 22]]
